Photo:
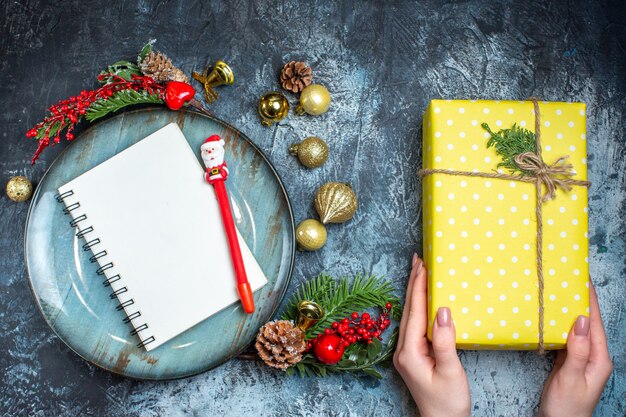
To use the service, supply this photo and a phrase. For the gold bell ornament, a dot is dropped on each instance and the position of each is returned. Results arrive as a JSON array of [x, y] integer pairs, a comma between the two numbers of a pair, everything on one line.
[[310, 235], [312, 152], [221, 74], [273, 107], [19, 189], [335, 202], [309, 313], [314, 100]]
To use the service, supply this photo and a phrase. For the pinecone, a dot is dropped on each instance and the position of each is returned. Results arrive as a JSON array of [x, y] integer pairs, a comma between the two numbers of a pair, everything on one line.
[[295, 76], [160, 67], [280, 344]]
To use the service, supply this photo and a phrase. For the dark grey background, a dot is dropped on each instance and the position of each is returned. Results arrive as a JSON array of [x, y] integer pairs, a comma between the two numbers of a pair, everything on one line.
[[382, 62]]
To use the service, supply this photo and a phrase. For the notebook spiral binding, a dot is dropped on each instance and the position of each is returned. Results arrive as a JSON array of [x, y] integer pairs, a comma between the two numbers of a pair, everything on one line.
[[91, 242]]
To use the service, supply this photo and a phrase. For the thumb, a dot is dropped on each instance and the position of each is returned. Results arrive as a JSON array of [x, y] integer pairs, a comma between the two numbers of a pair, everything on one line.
[[444, 343], [578, 347]]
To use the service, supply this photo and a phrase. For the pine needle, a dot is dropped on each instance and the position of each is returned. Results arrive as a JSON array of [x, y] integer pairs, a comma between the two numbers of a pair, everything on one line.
[[509, 143], [311, 290], [119, 100]]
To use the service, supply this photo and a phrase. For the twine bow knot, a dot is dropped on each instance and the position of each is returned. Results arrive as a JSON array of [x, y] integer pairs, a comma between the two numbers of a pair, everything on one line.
[[551, 176]]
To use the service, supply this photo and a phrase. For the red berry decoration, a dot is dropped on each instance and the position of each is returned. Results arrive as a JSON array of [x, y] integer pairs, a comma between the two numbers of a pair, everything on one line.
[[67, 113], [123, 84], [329, 345], [177, 94], [328, 348]]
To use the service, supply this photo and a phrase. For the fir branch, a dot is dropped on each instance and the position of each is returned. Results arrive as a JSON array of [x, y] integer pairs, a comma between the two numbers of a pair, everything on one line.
[[509, 143], [118, 100], [123, 69], [365, 292], [340, 298]]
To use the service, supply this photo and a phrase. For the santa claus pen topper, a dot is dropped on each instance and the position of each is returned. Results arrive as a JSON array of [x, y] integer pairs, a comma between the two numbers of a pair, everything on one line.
[[216, 173]]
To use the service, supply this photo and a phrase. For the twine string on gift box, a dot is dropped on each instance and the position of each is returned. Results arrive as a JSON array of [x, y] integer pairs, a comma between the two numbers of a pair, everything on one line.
[[551, 176]]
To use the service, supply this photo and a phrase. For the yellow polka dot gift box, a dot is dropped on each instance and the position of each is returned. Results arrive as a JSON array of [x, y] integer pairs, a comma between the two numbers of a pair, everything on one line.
[[505, 220]]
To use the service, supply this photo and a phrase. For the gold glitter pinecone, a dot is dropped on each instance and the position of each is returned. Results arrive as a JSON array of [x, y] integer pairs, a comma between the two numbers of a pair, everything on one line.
[[295, 76], [280, 344], [160, 67]]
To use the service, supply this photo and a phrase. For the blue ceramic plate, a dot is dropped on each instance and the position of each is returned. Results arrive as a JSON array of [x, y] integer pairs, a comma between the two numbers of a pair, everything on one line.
[[76, 304]]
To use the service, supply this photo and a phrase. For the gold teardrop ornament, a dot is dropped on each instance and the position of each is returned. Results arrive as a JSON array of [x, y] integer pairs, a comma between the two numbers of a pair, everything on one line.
[[312, 152], [310, 235], [335, 202]]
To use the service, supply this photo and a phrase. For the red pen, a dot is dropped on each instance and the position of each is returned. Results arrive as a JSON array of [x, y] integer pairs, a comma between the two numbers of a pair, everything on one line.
[[216, 173]]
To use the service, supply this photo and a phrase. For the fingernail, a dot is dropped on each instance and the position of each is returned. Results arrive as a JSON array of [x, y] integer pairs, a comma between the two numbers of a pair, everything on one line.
[[443, 317], [420, 266], [581, 328], [414, 261]]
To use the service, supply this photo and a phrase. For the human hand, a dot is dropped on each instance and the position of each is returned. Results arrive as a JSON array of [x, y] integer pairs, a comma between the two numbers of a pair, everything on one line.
[[433, 373], [580, 372]]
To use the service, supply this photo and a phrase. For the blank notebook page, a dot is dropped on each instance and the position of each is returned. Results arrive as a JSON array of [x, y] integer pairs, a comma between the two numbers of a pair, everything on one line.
[[159, 222]]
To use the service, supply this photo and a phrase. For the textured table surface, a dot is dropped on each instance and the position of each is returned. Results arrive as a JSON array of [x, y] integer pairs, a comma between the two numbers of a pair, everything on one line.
[[382, 62]]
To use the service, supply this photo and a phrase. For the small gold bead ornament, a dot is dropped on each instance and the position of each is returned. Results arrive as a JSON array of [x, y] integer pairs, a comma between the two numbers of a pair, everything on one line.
[[314, 100], [19, 189], [273, 107], [312, 152], [310, 235]]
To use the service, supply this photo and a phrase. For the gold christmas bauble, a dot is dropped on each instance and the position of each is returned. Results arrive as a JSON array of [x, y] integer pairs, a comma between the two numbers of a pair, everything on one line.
[[273, 107], [19, 189], [312, 152], [335, 202], [310, 235], [314, 100]]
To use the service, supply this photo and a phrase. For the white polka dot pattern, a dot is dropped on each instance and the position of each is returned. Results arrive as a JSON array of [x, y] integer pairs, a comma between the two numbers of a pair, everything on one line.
[[481, 238]]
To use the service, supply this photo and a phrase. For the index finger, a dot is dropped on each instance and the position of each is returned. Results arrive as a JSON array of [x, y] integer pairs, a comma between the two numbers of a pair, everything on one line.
[[417, 319], [599, 348], [407, 302]]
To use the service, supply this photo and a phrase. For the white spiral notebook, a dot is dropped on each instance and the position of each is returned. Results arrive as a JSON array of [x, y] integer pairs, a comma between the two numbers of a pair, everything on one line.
[[154, 227]]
